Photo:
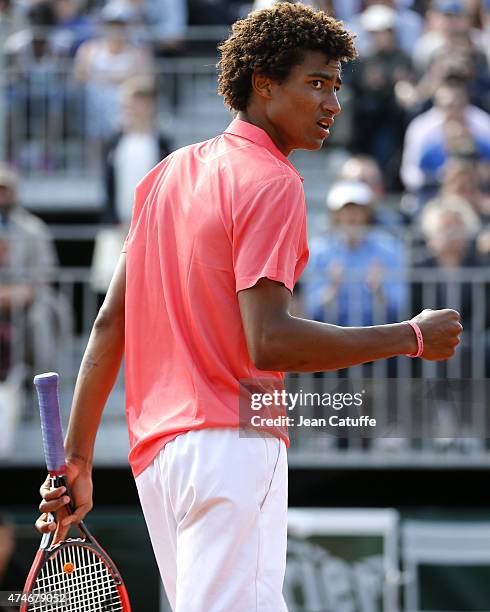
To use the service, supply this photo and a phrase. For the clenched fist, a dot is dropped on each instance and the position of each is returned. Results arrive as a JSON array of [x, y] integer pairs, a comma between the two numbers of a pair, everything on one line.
[[441, 330]]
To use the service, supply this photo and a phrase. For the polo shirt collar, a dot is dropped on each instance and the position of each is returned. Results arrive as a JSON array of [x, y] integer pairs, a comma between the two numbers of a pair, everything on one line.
[[259, 136]]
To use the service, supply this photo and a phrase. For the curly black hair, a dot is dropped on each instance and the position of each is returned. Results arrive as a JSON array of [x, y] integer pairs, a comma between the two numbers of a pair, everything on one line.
[[272, 41]]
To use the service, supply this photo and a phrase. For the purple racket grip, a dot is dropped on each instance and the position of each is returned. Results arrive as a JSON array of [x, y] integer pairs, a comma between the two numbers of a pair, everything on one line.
[[49, 408]]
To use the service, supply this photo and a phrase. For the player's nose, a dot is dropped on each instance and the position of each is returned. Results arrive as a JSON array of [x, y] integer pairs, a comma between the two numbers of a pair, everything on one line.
[[331, 104]]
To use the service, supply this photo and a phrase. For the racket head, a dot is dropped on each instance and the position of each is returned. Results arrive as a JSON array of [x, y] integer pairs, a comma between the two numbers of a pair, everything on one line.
[[74, 576]]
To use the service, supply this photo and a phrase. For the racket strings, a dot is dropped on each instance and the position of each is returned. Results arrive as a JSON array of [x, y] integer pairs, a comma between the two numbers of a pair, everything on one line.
[[89, 587]]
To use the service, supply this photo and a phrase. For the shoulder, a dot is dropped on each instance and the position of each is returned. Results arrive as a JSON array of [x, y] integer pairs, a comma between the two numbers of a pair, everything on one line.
[[153, 176], [278, 190], [244, 166], [257, 166]]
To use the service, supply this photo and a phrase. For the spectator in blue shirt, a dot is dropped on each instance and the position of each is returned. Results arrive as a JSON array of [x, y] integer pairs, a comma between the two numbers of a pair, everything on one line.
[[356, 270]]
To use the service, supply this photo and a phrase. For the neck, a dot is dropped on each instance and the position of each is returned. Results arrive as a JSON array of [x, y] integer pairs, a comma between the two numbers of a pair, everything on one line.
[[259, 120]]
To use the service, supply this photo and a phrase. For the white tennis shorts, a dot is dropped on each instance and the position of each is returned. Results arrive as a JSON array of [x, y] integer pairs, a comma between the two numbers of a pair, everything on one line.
[[216, 509]]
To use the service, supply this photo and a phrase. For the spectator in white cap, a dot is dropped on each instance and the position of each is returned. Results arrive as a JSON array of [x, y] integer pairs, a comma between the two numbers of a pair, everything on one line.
[[356, 270], [365, 168]]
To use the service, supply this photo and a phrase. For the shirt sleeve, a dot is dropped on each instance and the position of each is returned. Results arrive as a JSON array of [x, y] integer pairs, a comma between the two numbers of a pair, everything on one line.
[[269, 234]]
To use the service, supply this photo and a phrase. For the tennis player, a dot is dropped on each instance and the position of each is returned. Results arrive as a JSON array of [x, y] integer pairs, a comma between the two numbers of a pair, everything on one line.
[[201, 299]]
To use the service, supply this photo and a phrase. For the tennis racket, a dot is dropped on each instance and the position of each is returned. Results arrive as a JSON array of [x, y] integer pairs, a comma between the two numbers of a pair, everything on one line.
[[75, 575]]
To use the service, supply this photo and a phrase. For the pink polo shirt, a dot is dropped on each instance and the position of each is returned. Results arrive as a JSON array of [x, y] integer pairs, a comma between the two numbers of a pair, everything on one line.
[[209, 220]]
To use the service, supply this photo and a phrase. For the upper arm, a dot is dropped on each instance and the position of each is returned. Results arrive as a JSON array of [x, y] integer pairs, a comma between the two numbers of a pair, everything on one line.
[[263, 307], [269, 254], [112, 310]]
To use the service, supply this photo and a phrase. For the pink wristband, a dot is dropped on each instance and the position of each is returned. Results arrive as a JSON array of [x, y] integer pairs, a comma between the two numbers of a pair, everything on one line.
[[420, 339]]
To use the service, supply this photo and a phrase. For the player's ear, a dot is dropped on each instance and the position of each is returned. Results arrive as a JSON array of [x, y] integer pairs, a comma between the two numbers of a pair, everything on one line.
[[262, 85]]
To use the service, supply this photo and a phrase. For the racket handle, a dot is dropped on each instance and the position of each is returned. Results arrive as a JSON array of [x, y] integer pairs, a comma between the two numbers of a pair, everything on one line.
[[49, 409]]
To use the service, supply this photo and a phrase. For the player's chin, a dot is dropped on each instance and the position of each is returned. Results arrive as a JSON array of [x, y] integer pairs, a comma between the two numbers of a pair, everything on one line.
[[314, 144]]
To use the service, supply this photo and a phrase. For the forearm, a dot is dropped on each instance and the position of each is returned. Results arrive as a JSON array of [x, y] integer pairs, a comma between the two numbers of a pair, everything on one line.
[[98, 372], [299, 345]]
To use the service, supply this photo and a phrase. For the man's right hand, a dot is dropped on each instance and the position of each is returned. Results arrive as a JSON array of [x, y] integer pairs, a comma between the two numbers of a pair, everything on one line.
[[56, 500], [441, 331]]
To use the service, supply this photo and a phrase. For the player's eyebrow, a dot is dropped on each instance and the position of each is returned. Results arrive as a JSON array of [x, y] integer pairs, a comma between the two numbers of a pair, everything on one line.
[[328, 76]]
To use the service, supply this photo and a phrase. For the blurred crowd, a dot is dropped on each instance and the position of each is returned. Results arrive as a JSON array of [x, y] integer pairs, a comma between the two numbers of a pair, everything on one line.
[[408, 211], [13, 566]]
